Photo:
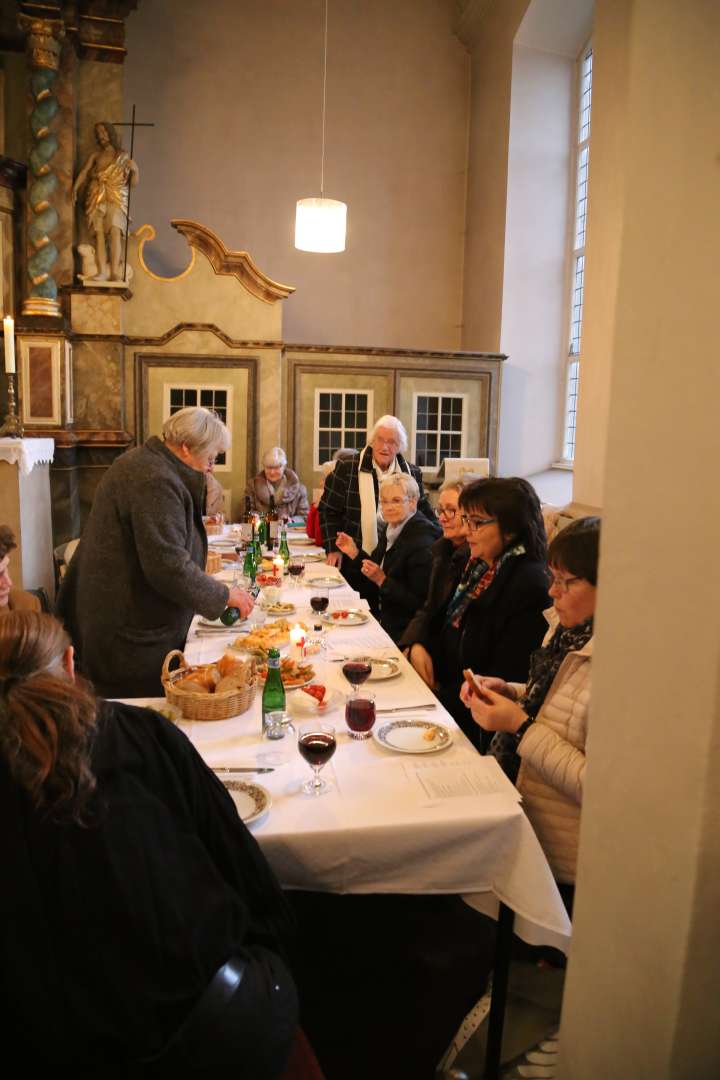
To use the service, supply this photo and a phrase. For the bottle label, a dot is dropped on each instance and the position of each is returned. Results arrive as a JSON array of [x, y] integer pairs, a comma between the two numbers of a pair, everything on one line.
[[246, 531], [274, 529]]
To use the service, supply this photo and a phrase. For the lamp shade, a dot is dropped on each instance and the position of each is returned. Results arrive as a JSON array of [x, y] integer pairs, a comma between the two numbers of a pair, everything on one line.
[[320, 225]]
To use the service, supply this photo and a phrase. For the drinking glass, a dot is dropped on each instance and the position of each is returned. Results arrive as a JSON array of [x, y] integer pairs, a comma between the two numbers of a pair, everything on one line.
[[357, 672], [360, 714], [278, 736], [319, 599], [317, 744], [296, 569]]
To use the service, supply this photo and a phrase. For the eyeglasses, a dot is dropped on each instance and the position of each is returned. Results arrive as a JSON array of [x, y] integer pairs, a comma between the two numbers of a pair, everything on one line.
[[394, 502], [475, 523], [447, 511], [390, 443], [563, 584]]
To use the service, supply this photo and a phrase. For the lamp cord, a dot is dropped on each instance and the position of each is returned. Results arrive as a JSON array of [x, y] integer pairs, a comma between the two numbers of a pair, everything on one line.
[[324, 86]]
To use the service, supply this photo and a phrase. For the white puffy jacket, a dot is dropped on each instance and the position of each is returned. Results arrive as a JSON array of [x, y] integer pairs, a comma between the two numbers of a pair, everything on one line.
[[553, 759]]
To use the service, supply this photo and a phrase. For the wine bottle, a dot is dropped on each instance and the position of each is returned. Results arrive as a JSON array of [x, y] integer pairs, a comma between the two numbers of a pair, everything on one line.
[[284, 549], [273, 523], [262, 530], [249, 567], [273, 698], [230, 616], [246, 523]]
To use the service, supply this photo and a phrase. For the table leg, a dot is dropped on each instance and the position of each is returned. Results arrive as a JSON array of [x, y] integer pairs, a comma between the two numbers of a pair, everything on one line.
[[496, 1019]]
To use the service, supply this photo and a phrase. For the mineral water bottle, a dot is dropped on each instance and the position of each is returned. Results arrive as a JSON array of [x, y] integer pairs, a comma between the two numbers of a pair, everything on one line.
[[273, 698]]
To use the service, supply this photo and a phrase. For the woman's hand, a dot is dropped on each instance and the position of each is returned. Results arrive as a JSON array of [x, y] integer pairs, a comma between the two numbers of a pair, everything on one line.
[[372, 571], [488, 682], [240, 599], [493, 712], [421, 660], [334, 558], [347, 545]]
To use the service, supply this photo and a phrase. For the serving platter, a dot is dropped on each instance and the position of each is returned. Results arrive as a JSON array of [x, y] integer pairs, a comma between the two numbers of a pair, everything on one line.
[[324, 582], [345, 617], [382, 669], [409, 736]]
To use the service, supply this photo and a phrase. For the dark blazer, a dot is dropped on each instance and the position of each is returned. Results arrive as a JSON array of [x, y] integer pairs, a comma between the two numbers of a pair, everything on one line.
[[138, 575], [447, 567], [407, 566], [498, 633], [339, 506]]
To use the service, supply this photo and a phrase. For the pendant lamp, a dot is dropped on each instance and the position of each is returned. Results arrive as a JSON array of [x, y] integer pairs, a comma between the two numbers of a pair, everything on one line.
[[320, 224]]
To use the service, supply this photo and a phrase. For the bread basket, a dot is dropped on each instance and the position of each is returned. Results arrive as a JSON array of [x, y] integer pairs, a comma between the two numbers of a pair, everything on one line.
[[196, 705]]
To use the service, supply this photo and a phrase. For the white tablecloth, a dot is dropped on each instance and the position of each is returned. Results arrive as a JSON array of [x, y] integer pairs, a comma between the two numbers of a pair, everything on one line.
[[378, 829], [27, 453]]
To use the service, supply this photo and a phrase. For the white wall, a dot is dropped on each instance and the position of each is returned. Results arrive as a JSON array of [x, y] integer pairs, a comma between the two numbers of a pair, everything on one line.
[[533, 331], [234, 88]]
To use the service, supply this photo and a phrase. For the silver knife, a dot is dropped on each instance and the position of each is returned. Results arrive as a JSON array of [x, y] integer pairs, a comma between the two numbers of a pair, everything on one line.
[[240, 768], [407, 708]]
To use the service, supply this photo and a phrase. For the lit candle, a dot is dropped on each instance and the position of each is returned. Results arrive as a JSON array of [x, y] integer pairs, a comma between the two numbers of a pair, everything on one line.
[[279, 566], [297, 637], [9, 332]]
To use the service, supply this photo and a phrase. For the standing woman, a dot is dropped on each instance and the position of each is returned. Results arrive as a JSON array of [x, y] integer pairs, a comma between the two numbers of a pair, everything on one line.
[[494, 618], [450, 555], [141, 922], [138, 575], [546, 718]]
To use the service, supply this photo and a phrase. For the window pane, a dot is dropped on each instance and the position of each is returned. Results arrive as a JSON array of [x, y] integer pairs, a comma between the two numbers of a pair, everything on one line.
[[336, 419], [324, 401], [176, 397], [190, 396], [324, 419], [336, 401], [335, 440]]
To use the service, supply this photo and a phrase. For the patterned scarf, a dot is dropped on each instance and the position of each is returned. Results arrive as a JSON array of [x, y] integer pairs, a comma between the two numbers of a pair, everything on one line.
[[544, 665], [476, 578]]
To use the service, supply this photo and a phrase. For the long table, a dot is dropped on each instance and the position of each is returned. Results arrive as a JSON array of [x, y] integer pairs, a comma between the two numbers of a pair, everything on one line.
[[436, 823]]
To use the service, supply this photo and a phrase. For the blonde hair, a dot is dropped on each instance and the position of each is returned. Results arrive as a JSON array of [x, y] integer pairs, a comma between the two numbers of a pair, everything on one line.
[[202, 430], [401, 479], [47, 720]]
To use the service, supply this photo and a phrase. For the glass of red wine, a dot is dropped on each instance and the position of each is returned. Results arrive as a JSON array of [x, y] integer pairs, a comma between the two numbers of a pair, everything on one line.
[[317, 744], [319, 600], [360, 714], [357, 672], [296, 569]]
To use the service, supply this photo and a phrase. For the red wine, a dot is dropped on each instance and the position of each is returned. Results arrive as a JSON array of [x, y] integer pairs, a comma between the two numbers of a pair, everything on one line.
[[317, 747], [319, 603], [359, 714], [356, 671], [296, 569]]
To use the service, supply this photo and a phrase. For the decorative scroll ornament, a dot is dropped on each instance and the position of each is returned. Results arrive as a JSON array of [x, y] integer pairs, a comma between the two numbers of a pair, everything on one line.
[[44, 46], [236, 263]]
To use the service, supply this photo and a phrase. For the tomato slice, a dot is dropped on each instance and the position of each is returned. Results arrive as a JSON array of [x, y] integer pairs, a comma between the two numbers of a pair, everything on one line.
[[315, 690]]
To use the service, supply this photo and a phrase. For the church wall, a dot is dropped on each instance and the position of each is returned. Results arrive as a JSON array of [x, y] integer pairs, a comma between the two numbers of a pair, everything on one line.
[[235, 94]]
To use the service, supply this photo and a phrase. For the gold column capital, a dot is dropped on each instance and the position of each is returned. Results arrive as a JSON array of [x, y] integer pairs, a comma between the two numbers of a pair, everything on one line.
[[44, 40]]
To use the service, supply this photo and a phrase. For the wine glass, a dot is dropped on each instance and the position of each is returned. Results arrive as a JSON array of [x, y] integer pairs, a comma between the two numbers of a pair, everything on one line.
[[357, 672], [317, 744], [296, 569], [319, 599], [360, 714]]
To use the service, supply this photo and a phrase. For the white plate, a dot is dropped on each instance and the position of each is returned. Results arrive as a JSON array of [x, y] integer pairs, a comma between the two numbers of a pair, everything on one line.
[[279, 609], [252, 800], [383, 669], [301, 538], [305, 705], [355, 617], [215, 624], [324, 582], [409, 736], [308, 556]]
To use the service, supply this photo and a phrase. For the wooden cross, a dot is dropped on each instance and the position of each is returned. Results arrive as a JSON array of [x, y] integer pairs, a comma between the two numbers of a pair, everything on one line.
[[132, 124]]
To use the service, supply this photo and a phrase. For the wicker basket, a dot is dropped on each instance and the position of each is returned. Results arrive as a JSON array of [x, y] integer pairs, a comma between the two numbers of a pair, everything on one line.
[[213, 563], [198, 706]]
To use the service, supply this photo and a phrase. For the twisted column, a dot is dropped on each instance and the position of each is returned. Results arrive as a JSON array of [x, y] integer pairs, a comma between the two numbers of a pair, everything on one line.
[[44, 44]]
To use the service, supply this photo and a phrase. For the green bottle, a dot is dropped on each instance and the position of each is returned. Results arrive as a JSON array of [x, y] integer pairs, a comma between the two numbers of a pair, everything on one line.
[[249, 570], [262, 530], [230, 616], [284, 549], [273, 698]]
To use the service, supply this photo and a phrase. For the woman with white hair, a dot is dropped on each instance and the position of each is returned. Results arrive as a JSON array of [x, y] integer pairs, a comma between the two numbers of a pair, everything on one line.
[[138, 575], [277, 481], [350, 500], [399, 566]]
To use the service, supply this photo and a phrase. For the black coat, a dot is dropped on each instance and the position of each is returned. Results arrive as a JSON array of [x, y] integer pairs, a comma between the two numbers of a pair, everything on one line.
[[497, 634], [339, 507], [138, 575], [407, 567], [448, 564], [112, 930]]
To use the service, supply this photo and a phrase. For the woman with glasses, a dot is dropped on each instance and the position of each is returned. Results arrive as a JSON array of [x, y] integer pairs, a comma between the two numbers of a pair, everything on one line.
[[450, 555], [545, 717], [494, 618], [399, 567], [138, 575]]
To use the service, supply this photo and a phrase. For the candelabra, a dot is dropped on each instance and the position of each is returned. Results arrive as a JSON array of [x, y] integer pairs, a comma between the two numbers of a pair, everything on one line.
[[13, 424]]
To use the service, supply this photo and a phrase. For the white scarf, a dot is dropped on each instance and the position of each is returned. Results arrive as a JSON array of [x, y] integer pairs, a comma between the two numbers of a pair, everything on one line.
[[368, 505]]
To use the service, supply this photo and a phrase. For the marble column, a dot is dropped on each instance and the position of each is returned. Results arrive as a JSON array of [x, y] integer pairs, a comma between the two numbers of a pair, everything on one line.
[[44, 43]]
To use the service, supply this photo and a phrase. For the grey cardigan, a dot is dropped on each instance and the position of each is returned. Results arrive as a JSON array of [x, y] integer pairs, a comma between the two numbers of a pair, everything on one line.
[[138, 575]]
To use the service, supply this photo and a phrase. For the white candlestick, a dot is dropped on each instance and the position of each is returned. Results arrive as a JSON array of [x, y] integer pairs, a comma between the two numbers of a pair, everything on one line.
[[9, 333]]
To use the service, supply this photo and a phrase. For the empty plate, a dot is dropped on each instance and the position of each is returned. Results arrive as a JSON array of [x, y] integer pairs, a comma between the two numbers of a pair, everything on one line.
[[251, 800], [412, 736]]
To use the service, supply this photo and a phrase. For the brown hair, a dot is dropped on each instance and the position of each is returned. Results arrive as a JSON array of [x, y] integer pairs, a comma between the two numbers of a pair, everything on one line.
[[514, 503], [576, 548], [7, 540], [47, 721]]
